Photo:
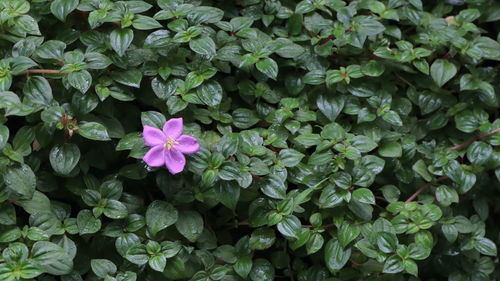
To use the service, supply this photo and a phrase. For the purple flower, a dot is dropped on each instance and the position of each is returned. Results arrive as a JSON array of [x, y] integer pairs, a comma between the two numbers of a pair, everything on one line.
[[169, 146]]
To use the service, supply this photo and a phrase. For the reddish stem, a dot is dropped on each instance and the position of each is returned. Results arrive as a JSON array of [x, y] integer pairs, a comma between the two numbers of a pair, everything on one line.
[[471, 140], [323, 226], [423, 188], [355, 263], [40, 71], [456, 147]]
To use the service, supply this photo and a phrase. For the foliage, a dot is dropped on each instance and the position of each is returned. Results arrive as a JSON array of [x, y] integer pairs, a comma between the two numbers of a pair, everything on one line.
[[340, 140]]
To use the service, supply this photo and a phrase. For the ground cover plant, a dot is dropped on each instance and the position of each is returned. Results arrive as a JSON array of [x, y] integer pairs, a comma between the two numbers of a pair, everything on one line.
[[314, 140]]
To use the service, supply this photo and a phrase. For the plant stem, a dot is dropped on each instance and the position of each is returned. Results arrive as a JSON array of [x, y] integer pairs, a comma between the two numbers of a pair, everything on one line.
[[41, 71], [456, 147], [423, 188], [323, 226], [471, 140]]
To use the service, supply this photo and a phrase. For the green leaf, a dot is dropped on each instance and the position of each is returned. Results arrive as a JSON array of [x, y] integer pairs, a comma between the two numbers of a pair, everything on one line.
[[446, 195], [93, 131], [96, 60], [486, 247], [103, 267], [9, 233], [20, 180], [205, 14], [273, 187], [243, 266], [160, 215], [61, 8], [64, 158], [290, 157], [370, 26], [153, 119], [329, 198], [203, 46], [315, 243], [387, 242], [347, 233], [411, 267], [80, 80], [4, 136], [38, 90], [228, 193], [308, 139], [51, 258], [330, 105], [51, 49], [262, 270], [421, 168], [145, 23], [335, 256], [131, 78], [158, 262], [210, 93], [37, 204], [479, 152], [115, 209], [87, 223], [120, 40], [364, 195], [244, 118], [393, 265], [262, 238], [391, 149], [363, 143], [392, 118], [442, 71], [268, 66], [190, 225], [290, 227]]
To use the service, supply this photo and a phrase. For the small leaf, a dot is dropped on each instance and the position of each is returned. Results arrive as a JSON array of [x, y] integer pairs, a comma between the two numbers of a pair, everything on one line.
[[120, 40], [160, 215], [262, 238], [61, 8], [87, 223], [64, 158], [364, 195], [190, 225], [20, 180], [80, 80], [442, 71], [387, 242], [335, 256], [38, 90], [93, 131], [103, 267], [268, 66], [391, 149], [330, 105], [486, 247], [203, 46]]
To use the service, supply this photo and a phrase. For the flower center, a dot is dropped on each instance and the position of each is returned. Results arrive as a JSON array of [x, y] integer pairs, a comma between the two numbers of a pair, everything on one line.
[[170, 143]]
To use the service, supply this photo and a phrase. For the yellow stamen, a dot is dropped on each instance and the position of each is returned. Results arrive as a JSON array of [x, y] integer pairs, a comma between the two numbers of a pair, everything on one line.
[[170, 143]]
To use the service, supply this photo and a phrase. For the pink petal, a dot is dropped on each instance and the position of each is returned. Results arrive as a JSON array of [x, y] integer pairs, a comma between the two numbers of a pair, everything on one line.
[[175, 161], [155, 157], [187, 144], [153, 136], [173, 128]]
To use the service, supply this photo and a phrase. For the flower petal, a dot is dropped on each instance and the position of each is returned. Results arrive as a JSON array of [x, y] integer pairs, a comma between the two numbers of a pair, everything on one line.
[[187, 144], [155, 157], [153, 136], [173, 128], [175, 161]]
